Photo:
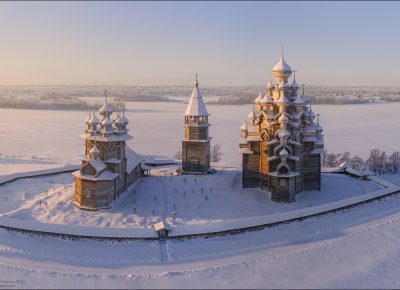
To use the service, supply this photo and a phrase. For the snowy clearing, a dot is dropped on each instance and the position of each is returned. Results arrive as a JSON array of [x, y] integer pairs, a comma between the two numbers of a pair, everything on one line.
[[194, 199]]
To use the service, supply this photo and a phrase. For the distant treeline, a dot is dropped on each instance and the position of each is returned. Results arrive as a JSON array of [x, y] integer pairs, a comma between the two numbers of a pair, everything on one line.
[[143, 98], [67, 104], [245, 97], [378, 161], [239, 98]]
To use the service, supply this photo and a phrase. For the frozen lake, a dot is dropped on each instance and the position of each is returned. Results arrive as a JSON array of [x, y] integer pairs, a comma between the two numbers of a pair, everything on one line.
[[32, 139]]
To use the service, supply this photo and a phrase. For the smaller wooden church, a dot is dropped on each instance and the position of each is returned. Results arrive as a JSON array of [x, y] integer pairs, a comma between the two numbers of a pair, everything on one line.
[[109, 166]]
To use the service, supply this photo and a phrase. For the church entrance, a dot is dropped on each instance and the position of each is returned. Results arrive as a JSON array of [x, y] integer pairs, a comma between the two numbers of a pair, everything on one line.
[[195, 164]]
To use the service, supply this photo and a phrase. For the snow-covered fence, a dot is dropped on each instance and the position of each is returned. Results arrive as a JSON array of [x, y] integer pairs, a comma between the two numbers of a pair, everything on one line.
[[77, 231], [57, 170], [380, 181]]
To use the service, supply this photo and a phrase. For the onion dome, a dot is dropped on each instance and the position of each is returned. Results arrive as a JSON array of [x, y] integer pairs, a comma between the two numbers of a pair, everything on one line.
[[257, 101], [311, 115], [119, 121], [107, 125], [294, 86], [123, 119], [283, 134], [251, 115], [299, 101], [283, 153], [267, 100], [94, 152], [282, 99], [244, 126], [270, 85], [281, 85], [282, 70], [93, 121], [318, 127], [283, 119], [106, 109], [86, 120]]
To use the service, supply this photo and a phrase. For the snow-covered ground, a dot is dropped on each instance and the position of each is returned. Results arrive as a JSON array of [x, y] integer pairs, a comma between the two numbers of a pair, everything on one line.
[[195, 199], [54, 135], [357, 248]]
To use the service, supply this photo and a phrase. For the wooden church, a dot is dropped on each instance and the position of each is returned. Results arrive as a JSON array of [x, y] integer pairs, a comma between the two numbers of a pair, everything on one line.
[[109, 166], [280, 142], [196, 140]]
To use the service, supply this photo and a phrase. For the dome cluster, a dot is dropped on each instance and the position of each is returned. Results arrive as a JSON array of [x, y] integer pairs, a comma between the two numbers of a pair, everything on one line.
[[106, 126]]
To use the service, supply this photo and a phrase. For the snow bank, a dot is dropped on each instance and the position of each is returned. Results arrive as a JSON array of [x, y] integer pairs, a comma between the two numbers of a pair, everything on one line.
[[18, 175]]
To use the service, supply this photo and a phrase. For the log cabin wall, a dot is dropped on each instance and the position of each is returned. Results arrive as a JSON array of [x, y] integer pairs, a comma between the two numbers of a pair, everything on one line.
[[251, 166], [195, 156]]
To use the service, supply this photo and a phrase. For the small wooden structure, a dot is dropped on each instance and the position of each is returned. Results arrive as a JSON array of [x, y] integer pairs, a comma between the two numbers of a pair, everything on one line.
[[162, 230]]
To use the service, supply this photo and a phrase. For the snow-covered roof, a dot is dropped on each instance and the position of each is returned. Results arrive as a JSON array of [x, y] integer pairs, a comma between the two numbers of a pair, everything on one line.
[[94, 150], [345, 164], [310, 129], [300, 100], [93, 120], [123, 119], [282, 99], [258, 99], [253, 138], [86, 120], [266, 100], [101, 138], [107, 123], [251, 115], [310, 139], [132, 159], [294, 86], [105, 175], [245, 151], [106, 108], [282, 66], [98, 165], [112, 161], [160, 226], [196, 106]]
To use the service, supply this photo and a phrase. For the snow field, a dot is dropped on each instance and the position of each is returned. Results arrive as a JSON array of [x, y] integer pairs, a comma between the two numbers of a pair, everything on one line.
[[178, 199]]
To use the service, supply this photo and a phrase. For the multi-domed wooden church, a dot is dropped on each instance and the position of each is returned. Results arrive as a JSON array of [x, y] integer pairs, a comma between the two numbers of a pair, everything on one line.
[[280, 142], [109, 166]]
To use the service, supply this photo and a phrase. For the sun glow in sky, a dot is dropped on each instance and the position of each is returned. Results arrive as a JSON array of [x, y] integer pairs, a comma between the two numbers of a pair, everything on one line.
[[226, 43]]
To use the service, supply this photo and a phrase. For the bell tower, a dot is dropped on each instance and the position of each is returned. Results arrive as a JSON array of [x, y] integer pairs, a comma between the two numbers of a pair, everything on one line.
[[196, 141]]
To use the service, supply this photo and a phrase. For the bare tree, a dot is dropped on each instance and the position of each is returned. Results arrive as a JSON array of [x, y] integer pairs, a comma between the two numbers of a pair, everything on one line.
[[344, 157], [394, 161], [356, 162], [216, 153], [331, 160], [382, 162], [324, 155], [374, 159]]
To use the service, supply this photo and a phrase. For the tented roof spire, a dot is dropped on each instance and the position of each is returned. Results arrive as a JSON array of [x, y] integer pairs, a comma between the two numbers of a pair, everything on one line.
[[196, 106]]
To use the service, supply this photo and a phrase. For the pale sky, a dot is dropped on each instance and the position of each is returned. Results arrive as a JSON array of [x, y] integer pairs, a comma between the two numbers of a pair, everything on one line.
[[226, 43]]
